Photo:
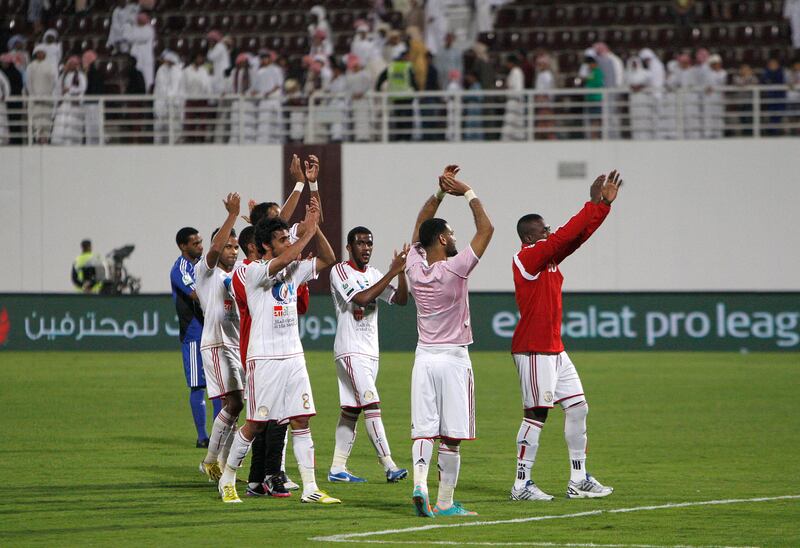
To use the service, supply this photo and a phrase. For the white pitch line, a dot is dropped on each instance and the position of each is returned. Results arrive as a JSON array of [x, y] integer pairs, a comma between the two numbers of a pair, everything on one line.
[[545, 544], [350, 537]]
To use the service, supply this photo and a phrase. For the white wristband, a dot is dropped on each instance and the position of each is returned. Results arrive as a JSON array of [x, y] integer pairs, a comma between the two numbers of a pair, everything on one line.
[[298, 186], [470, 195], [440, 194], [313, 187]]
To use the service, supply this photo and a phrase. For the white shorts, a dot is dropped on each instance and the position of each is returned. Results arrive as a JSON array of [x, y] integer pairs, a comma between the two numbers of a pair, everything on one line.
[[278, 390], [223, 369], [442, 394], [357, 375], [548, 379]]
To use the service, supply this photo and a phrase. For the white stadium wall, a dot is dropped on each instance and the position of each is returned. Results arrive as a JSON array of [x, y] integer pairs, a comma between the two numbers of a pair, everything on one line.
[[711, 215]]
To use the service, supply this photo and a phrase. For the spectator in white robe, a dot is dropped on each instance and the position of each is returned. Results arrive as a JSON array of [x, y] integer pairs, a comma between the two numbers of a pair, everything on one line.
[[449, 58], [319, 21], [453, 90], [657, 75], [168, 102], [791, 11], [196, 87], [435, 25], [514, 117], [320, 44], [95, 85], [41, 82], [68, 125], [713, 98], [244, 117], [53, 48], [669, 103], [613, 71], [394, 47], [268, 87], [220, 56], [485, 12], [363, 46], [338, 103], [124, 14], [358, 84], [544, 101], [640, 104], [5, 93], [142, 40], [295, 104]]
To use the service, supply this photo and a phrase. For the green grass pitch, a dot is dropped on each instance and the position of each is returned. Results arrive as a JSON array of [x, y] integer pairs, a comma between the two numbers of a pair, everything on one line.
[[98, 449]]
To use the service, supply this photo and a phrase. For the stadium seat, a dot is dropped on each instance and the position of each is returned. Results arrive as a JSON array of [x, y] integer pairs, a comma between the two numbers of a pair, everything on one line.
[[342, 20], [583, 14], [175, 23], [507, 17], [198, 23]]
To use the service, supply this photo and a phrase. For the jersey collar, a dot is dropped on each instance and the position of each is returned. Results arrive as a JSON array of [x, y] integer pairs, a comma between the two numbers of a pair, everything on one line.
[[354, 267]]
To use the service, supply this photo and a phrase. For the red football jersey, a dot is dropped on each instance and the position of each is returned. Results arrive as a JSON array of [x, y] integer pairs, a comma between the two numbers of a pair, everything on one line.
[[240, 296], [537, 281]]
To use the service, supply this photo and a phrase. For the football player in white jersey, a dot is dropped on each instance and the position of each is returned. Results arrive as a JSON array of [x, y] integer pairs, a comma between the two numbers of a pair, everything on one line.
[[219, 345], [356, 287], [278, 387]]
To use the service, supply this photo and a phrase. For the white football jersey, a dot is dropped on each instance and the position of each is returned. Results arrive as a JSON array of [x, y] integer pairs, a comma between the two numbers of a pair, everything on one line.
[[272, 300], [356, 326], [221, 317]]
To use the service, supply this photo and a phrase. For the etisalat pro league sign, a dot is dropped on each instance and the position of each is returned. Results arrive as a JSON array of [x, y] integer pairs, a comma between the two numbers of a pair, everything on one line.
[[591, 321]]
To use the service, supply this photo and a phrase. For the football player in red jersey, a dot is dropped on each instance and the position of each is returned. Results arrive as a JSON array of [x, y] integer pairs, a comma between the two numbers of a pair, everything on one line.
[[547, 376]]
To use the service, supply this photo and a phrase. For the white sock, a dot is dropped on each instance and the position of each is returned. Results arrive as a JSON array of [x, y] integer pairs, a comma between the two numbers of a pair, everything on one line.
[[220, 431], [575, 434], [285, 443], [303, 447], [421, 454], [226, 448], [345, 438], [527, 445], [239, 449], [449, 466], [377, 435]]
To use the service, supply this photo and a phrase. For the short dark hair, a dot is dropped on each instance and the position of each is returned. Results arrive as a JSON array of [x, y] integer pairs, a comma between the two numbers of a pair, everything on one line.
[[430, 230], [247, 236], [266, 228], [214, 233], [351, 236], [86, 245], [183, 235], [524, 222], [260, 211]]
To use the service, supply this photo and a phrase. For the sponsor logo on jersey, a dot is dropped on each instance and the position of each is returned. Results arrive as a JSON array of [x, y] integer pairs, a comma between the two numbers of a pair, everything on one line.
[[278, 311], [306, 401], [283, 292], [263, 411], [358, 314], [369, 394], [548, 397]]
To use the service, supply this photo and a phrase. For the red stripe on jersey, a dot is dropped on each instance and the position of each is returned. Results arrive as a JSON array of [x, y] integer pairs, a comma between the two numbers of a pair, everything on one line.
[[245, 320]]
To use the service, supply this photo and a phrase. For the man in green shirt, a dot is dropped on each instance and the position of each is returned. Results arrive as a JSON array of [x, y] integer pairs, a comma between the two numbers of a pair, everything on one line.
[[399, 78], [593, 110]]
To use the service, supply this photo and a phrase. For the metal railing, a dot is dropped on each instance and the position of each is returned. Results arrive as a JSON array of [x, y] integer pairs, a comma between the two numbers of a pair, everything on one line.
[[757, 111]]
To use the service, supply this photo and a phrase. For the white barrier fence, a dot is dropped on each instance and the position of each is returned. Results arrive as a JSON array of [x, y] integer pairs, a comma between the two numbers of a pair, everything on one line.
[[757, 111]]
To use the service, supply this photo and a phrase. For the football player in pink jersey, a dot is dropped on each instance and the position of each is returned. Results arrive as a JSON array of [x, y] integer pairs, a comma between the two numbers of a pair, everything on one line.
[[442, 391]]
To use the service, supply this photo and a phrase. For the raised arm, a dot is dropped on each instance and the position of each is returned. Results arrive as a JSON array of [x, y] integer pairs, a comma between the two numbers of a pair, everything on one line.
[[483, 225], [291, 202], [312, 174], [325, 255], [309, 226], [431, 205], [232, 203], [371, 294]]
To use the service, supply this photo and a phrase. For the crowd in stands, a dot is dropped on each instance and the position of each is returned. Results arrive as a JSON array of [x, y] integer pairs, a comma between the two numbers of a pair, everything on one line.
[[418, 53]]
